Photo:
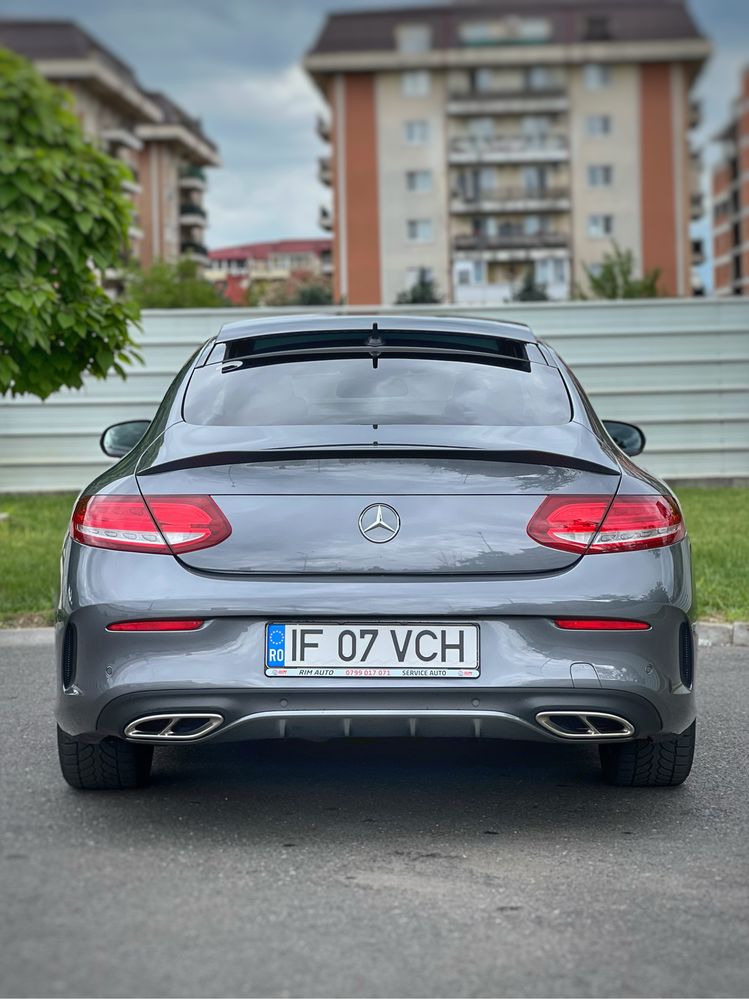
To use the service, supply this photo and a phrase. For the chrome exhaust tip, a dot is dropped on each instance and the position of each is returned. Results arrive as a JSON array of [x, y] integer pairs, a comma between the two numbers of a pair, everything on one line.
[[585, 724], [181, 727]]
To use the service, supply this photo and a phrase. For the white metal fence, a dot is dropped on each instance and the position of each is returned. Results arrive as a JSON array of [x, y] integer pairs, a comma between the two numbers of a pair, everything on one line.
[[679, 368]]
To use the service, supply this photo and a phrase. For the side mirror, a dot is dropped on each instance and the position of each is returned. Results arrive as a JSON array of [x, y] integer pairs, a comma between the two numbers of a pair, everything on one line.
[[626, 436], [119, 439]]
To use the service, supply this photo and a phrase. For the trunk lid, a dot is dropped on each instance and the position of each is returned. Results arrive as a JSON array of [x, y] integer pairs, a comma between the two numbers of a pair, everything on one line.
[[463, 495]]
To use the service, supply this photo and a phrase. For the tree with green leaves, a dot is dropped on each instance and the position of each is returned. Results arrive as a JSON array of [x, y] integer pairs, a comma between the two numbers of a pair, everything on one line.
[[529, 291], [615, 278], [63, 221], [174, 286], [422, 292]]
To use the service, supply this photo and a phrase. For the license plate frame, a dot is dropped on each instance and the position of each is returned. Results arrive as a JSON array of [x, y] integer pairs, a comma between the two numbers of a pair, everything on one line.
[[438, 638]]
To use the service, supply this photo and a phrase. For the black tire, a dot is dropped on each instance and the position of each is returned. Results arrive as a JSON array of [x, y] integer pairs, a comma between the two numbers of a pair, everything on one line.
[[109, 765], [644, 763]]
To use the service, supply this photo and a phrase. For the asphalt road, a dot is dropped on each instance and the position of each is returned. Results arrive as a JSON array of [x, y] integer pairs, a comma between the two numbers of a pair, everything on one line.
[[374, 869]]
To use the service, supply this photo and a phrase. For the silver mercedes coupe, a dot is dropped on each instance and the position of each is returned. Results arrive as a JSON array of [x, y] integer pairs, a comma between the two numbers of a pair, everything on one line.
[[373, 526]]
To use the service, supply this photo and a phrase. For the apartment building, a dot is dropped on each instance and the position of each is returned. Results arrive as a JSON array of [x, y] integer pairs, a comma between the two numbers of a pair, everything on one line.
[[730, 194], [165, 149], [485, 144], [234, 268]]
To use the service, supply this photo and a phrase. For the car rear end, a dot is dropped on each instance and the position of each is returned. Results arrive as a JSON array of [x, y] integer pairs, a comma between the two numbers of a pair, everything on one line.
[[376, 530]]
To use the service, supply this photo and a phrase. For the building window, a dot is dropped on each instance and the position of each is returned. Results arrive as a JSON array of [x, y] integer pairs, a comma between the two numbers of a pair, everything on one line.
[[594, 269], [419, 230], [480, 128], [596, 75], [534, 179], [535, 124], [483, 80], [415, 83], [469, 272], [487, 179], [551, 270], [600, 175], [413, 38], [600, 226], [509, 30], [419, 181], [598, 124], [543, 78], [416, 132]]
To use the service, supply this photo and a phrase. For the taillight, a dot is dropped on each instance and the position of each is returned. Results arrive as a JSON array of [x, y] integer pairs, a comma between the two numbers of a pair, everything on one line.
[[595, 524], [166, 524], [157, 625], [600, 624]]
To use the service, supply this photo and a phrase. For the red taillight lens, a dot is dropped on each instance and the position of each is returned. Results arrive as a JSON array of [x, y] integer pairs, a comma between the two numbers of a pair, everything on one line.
[[184, 625], [595, 524], [166, 524], [599, 624]]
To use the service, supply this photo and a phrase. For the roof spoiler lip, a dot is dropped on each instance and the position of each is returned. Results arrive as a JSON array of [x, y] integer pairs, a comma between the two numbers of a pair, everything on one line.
[[385, 322], [378, 451]]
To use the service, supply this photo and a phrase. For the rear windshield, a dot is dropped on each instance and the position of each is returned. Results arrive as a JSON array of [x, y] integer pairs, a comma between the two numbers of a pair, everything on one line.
[[390, 390]]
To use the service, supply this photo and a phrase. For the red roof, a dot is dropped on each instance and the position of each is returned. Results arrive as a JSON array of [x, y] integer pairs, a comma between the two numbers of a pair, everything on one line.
[[261, 251]]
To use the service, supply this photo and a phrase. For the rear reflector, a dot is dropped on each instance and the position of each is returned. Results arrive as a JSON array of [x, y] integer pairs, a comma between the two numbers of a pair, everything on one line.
[[596, 524], [191, 625], [167, 524], [599, 624]]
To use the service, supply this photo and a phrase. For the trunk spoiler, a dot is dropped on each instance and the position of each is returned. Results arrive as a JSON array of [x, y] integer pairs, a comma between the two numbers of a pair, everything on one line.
[[186, 446]]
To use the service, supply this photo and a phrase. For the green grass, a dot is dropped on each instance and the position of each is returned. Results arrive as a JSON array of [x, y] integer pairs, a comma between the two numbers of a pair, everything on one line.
[[31, 538], [30, 543], [718, 523]]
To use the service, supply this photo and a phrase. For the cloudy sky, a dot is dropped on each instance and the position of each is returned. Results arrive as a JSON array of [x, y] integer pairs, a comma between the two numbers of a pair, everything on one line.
[[236, 65]]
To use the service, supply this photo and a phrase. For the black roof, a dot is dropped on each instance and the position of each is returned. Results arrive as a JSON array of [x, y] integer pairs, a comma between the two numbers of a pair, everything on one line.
[[570, 21]]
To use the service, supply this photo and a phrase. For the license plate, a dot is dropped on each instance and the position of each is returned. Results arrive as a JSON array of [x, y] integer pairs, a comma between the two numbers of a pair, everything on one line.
[[372, 651]]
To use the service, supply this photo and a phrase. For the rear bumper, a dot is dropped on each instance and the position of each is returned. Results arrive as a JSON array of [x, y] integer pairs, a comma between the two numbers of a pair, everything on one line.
[[480, 713], [219, 669]]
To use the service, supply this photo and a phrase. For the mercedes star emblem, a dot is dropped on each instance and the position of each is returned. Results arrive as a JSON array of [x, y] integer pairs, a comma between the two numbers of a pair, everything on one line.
[[379, 523]]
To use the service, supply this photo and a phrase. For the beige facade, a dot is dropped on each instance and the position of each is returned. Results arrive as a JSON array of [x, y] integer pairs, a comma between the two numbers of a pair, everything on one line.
[[412, 185], [493, 163], [616, 194]]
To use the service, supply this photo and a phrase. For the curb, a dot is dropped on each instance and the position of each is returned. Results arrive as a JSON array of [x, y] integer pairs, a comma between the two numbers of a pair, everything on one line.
[[712, 633], [709, 633], [26, 636]]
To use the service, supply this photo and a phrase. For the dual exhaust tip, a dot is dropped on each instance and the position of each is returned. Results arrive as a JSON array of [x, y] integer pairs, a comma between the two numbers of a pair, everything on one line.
[[192, 726], [185, 727]]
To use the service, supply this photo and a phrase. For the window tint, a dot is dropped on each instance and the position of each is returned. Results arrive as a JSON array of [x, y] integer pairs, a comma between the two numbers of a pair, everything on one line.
[[399, 390]]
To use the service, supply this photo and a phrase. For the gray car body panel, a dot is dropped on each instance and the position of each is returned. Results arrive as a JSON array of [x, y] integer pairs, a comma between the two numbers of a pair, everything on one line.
[[523, 655]]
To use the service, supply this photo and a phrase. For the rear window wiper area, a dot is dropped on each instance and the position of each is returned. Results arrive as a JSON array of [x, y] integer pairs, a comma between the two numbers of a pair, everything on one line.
[[373, 354], [373, 342]]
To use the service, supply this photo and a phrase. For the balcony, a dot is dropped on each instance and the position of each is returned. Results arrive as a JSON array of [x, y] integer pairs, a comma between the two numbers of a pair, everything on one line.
[[522, 101], [511, 199], [695, 114], [696, 205], [322, 127], [120, 138], [325, 218], [514, 246], [132, 186], [194, 251], [191, 215], [509, 149], [325, 171], [192, 177]]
